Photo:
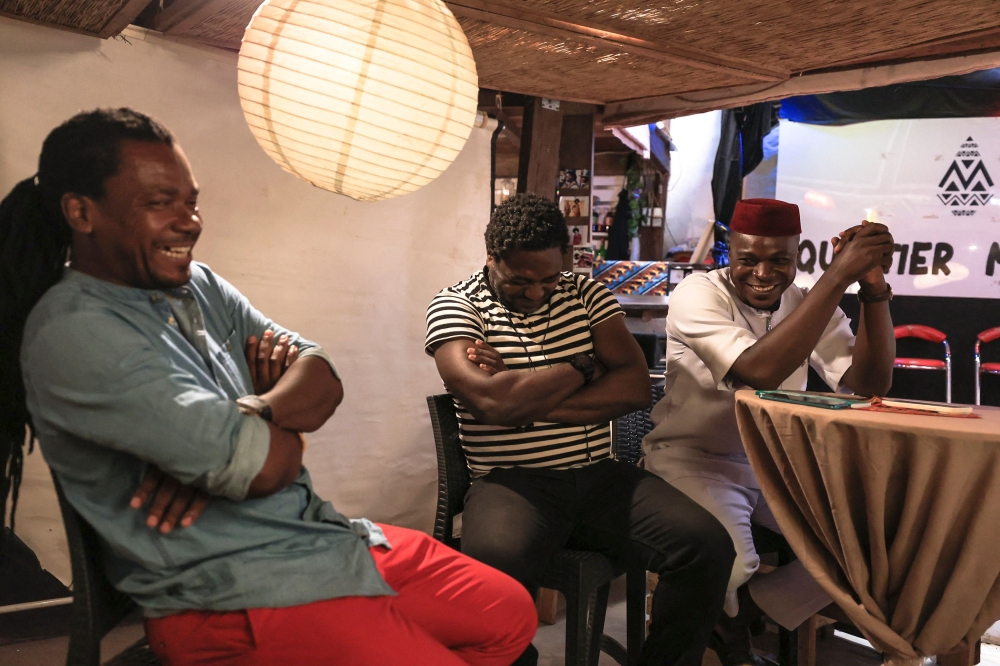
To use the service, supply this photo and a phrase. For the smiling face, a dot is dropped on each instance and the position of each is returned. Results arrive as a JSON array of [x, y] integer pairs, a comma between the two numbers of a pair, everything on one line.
[[141, 233], [762, 267], [525, 279]]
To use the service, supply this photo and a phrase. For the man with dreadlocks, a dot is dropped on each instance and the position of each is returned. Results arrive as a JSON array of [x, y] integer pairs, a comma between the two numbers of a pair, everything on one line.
[[538, 362], [133, 359]]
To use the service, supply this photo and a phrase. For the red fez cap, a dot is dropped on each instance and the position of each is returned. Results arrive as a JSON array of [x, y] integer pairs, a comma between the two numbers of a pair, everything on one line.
[[766, 217]]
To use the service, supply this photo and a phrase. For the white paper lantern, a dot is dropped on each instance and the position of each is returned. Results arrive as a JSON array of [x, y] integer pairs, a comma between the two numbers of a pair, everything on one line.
[[367, 98]]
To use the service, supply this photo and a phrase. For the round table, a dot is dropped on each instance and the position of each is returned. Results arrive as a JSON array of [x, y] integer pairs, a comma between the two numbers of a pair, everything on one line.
[[897, 516]]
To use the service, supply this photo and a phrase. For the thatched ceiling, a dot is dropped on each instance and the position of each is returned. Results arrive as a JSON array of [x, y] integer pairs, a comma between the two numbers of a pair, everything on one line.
[[607, 51], [104, 18]]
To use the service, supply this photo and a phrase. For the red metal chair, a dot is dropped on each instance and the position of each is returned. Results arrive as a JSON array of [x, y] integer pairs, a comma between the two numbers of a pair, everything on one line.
[[989, 335], [932, 335]]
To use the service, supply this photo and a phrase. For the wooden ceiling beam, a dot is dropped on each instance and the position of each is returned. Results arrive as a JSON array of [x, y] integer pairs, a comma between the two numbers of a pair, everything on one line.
[[954, 45], [500, 13], [488, 99], [174, 12], [511, 136], [512, 130], [182, 15], [122, 18]]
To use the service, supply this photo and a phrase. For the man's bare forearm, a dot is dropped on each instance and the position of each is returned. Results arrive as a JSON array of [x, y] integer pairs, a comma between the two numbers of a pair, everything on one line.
[[282, 466], [305, 396], [521, 397], [874, 352], [615, 394]]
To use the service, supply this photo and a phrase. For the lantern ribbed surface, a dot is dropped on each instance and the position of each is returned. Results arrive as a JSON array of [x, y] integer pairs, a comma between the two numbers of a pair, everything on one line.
[[367, 98]]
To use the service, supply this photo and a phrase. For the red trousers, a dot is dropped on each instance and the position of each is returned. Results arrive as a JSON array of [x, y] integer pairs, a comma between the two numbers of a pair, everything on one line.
[[450, 610]]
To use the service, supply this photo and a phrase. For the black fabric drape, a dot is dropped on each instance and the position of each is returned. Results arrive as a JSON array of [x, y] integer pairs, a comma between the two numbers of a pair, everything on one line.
[[967, 96], [619, 247], [727, 176], [740, 151], [756, 122]]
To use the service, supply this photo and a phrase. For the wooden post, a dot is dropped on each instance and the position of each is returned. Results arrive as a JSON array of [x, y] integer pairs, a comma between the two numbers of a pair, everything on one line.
[[807, 642], [576, 151], [538, 168], [547, 605]]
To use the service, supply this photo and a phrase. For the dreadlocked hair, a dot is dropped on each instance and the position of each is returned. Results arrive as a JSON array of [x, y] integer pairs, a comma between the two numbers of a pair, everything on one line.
[[526, 222], [77, 157]]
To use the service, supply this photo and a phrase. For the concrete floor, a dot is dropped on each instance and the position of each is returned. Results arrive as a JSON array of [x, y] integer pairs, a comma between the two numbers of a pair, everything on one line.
[[52, 652], [550, 641]]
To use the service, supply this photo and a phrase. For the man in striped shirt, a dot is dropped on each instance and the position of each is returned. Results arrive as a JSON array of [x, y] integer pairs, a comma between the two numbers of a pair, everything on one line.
[[539, 361]]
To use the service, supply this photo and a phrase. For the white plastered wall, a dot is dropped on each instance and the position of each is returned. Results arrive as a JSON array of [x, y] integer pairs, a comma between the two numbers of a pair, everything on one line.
[[356, 277]]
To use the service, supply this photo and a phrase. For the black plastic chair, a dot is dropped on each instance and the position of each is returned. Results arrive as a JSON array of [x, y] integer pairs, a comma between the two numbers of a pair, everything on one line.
[[628, 431], [584, 577], [97, 606]]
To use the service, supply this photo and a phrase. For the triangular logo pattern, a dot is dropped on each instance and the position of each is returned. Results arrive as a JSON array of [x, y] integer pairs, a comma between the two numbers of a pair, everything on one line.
[[964, 186]]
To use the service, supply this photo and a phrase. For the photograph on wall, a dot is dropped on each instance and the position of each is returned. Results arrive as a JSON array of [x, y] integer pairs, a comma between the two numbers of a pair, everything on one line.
[[574, 179], [583, 257], [504, 189], [574, 206], [578, 234], [604, 215]]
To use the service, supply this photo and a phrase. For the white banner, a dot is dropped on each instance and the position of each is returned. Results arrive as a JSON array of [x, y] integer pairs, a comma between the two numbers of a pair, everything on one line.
[[933, 182]]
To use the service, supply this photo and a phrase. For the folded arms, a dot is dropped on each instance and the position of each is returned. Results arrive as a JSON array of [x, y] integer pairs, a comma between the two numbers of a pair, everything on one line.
[[474, 372]]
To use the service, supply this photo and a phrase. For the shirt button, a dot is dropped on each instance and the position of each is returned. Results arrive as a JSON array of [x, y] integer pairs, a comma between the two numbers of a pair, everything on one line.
[[156, 298], [171, 321]]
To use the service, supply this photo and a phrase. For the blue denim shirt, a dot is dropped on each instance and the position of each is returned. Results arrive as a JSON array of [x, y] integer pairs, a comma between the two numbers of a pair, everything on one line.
[[115, 382]]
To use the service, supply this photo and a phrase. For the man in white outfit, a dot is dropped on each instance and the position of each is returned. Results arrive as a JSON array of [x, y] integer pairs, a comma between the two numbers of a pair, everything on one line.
[[749, 326]]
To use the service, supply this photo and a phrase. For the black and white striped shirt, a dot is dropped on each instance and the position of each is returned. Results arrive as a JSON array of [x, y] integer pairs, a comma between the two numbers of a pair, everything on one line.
[[527, 343]]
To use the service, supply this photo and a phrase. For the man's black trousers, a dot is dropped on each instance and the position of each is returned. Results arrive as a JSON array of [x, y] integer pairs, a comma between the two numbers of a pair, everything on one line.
[[516, 519]]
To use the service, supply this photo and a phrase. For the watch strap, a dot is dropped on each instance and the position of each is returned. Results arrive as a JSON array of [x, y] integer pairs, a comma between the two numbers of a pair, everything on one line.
[[255, 405], [866, 296]]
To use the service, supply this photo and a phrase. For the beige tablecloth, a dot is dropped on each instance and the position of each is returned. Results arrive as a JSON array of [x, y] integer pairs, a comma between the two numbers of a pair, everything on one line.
[[896, 516]]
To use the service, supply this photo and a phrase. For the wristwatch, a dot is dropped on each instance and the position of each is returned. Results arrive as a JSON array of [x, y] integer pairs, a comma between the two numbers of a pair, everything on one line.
[[585, 364], [866, 297], [255, 405]]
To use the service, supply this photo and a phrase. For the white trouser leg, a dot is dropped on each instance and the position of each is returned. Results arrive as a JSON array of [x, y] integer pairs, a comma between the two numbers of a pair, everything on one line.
[[789, 595], [732, 505]]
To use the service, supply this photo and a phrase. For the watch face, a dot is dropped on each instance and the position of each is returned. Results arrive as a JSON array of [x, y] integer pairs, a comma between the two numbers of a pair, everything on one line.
[[584, 363]]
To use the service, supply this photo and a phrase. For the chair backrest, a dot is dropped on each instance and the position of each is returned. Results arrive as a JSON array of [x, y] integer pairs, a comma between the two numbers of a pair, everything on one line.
[[453, 469], [989, 335], [919, 331], [651, 346], [97, 606], [628, 431]]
